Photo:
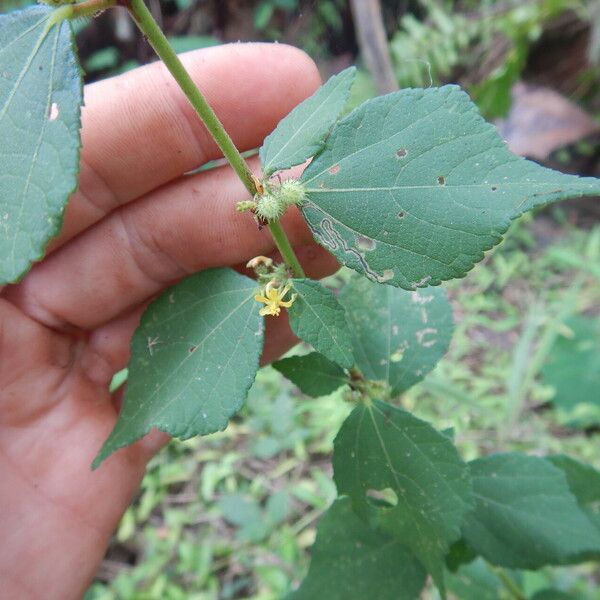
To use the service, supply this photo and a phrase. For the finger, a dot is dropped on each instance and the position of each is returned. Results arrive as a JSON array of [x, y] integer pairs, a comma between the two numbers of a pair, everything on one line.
[[135, 252], [108, 348], [140, 132]]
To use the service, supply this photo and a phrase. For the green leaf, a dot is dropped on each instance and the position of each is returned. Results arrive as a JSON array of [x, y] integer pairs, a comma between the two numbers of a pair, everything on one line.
[[40, 100], [474, 581], [193, 359], [379, 448], [525, 515], [302, 133], [460, 553], [352, 561], [573, 365], [411, 188], [552, 594], [584, 483], [314, 374], [397, 336], [318, 318]]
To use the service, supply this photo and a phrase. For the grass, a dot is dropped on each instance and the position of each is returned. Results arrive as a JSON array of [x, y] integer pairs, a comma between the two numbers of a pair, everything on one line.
[[233, 515]]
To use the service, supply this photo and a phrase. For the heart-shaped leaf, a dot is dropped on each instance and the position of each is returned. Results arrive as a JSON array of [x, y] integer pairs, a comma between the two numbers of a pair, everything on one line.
[[40, 100], [381, 448], [352, 561], [411, 188], [525, 515], [397, 336], [193, 359]]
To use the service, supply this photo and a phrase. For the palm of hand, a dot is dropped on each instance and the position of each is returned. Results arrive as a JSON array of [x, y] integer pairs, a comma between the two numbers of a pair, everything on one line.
[[135, 225]]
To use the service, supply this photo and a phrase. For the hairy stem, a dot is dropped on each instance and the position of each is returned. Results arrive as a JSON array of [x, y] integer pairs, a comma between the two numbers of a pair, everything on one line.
[[157, 39], [89, 8]]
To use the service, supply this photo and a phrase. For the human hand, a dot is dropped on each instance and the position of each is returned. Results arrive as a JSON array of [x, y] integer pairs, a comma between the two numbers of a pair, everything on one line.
[[135, 225]]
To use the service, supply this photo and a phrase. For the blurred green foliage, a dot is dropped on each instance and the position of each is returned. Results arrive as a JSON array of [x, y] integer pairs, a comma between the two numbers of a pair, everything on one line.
[[491, 43]]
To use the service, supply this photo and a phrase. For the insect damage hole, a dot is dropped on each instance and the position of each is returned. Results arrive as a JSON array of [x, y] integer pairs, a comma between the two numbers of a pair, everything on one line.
[[441, 180], [386, 498], [334, 170], [401, 214], [53, 112], [401, 153]]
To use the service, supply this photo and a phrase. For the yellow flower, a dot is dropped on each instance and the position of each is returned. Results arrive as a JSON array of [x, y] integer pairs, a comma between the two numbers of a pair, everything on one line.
[[274, 299]]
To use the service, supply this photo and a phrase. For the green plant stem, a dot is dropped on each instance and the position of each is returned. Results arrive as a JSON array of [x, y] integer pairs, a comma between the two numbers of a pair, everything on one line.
[[284, 246], [513, 589], [89, 8], [157, 39]]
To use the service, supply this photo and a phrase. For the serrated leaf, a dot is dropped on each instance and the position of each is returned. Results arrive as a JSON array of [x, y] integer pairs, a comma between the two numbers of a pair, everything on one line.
[[318, 318], [314, 374], [380, 447], [40, 100], [302, 133], [573, 365], [193, 359], [397, 336], [411, 188], [525, 514], [584, 483], [352, 561]]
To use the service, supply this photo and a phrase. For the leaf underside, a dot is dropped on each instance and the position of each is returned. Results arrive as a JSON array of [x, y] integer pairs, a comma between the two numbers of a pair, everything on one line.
[[40, 100], [302, 133], [380, 447], [193, 359], [411, 188], [352, 561], [397, 336], [525, 515]]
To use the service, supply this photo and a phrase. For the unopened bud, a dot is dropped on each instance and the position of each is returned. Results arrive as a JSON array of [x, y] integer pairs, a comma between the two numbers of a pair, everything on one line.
[[245, 205]]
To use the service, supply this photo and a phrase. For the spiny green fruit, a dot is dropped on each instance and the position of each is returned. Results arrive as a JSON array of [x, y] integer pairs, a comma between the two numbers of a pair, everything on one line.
[[270, 207], [291, 192]]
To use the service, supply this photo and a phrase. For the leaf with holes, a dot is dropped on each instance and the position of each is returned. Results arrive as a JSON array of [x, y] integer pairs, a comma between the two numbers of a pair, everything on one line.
[[381, 448], [525, 515], [314, 374], [40, 100], [317, 318], [411, 188], [352, 561], [193, 359], [397, 336], [302, 133]]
